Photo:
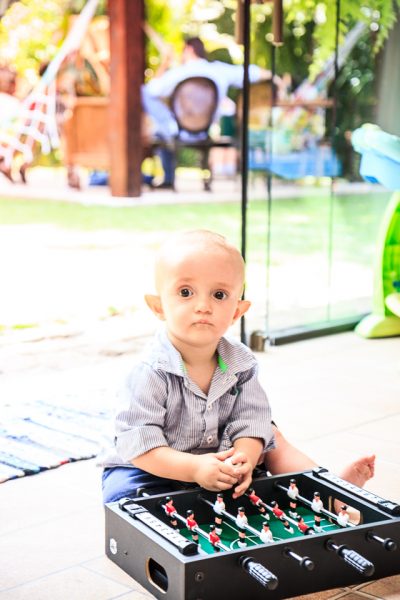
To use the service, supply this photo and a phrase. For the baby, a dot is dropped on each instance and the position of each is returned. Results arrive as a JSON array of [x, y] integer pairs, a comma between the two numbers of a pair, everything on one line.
[[193, 408]]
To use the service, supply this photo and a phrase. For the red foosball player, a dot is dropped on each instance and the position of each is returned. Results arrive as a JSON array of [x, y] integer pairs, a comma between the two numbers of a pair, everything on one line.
[[256, 501], [278, 512], [293, 492], [219, 506], [191, 524], [170, 511], [214, 538], [343, 516], [241, 522], [266, 534], [303, 527], [317, 506]]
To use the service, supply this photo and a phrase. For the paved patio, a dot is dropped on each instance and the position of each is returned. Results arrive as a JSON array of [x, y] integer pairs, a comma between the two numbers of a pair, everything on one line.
[[51, 184], [343, 389]]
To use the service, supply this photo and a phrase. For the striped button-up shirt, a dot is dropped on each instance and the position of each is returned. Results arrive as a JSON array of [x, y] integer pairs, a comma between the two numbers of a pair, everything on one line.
[[162, 406]]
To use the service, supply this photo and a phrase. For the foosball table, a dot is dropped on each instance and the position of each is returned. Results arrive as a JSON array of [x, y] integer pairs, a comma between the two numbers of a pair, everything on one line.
[[288, 535]]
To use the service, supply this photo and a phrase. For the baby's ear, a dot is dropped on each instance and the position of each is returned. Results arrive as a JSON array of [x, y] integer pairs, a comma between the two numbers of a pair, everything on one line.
[[154, 303], [242, 307]]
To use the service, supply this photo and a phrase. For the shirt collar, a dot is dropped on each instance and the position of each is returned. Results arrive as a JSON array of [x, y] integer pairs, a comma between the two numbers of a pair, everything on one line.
[[233, 357]]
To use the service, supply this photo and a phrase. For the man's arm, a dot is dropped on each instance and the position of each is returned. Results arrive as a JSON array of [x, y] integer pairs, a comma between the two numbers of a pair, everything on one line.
[[266, 75]]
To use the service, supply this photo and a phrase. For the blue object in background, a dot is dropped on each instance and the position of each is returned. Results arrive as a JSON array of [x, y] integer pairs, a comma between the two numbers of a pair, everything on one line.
[[98, 178], [380, 155], [102, 178], [376, 168], [320, 161]]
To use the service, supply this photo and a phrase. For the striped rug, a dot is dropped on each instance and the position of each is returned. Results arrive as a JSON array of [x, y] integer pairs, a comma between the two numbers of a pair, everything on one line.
[[38, 436]]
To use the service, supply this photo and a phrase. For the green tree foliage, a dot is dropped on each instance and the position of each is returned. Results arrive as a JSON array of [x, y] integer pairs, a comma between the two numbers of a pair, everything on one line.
[[356, 101], [378, 15], [167, 20], [30, 33], [309, 28]]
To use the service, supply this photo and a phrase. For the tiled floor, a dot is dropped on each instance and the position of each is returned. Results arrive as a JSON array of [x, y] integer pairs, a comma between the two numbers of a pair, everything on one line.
[[51, 525]]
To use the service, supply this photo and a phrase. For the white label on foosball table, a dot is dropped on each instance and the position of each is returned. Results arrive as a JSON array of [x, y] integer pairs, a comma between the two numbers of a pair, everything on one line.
[[113, 546]]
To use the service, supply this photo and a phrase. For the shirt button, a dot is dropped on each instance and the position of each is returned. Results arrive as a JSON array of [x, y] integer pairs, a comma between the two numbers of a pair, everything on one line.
[[209, 439], [209, 407]]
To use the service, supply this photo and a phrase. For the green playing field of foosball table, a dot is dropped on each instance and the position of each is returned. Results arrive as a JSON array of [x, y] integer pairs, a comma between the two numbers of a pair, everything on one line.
[[230, 534]]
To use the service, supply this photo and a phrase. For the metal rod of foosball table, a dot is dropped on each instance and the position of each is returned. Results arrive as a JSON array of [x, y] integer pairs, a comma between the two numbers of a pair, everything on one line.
[[231, 517], [284, 516], [304, 561], [308, 503], [387, 543], [199, 531]]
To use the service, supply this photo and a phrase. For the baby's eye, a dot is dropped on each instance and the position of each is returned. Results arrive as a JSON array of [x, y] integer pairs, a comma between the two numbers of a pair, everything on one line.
[[185, 292], [220, 295]]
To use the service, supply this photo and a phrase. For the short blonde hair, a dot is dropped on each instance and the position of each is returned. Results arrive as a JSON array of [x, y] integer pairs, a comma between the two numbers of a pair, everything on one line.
[[205, 240]]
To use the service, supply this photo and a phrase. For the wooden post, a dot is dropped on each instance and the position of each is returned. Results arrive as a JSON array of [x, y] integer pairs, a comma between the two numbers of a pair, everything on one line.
[[126, 64], [277, 23]]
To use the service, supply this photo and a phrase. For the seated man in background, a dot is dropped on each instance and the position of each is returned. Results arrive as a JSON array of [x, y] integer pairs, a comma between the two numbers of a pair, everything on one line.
[[194, 63]]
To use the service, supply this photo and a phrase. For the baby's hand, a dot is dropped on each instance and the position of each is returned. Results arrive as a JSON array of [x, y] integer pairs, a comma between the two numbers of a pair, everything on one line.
[[243, 472], [237, 458], [213, 473]]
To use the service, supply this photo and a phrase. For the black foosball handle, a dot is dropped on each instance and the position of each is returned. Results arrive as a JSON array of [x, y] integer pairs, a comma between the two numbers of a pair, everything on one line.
[[352, 558], [259, 572]]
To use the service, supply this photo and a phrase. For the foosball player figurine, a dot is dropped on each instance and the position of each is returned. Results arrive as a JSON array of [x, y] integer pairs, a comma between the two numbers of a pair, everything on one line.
[[214, 538], [191, 524], [170, 511], [219, 506], [316, 507], [343, 516], [303, 527], [293, 492], [241, 522], [266, 534], [256, 501], [278, 512]]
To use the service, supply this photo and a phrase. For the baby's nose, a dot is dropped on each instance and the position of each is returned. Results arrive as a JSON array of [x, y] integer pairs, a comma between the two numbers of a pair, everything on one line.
[[203, 304]]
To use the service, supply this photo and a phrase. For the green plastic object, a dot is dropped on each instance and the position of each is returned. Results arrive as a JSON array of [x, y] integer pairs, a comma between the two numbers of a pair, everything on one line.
[[381, 162]]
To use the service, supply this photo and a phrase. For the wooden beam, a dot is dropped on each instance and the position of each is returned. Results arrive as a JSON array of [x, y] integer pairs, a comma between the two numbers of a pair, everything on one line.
[[126, 65]]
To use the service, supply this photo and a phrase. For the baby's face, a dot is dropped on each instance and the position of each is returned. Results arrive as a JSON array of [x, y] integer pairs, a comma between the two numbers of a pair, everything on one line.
[[200, 292]]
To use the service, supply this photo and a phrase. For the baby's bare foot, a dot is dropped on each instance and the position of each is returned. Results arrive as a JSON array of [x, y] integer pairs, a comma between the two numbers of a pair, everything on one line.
[[360, 471]]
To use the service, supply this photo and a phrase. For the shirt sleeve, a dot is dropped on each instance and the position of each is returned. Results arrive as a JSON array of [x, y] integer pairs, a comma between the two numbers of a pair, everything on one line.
[[235, 74], [251, 415], [140, 420], [232, 75], [163, 86]]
